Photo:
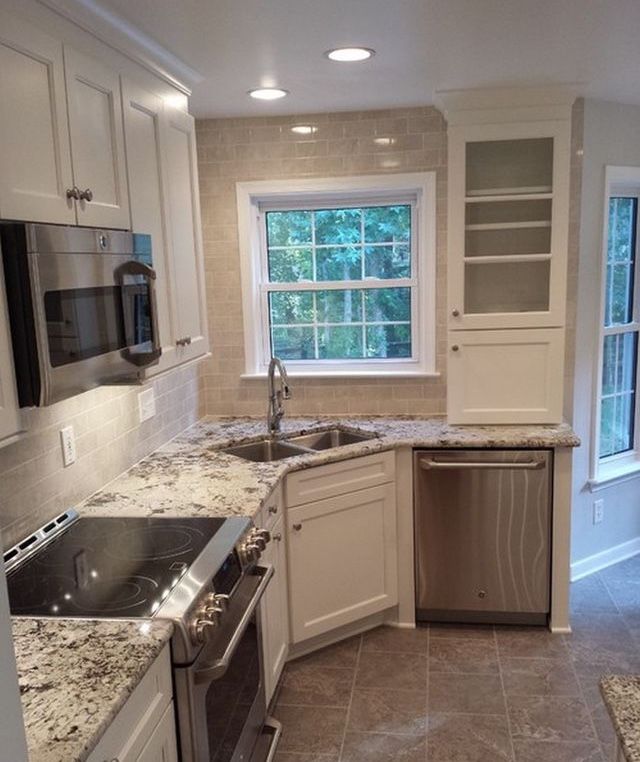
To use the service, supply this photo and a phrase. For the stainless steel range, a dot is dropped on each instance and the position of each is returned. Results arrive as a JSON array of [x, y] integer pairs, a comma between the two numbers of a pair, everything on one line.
[[200, 573]]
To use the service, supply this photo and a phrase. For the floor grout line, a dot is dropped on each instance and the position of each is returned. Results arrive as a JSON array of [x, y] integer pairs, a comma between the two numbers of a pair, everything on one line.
[[504, 696], [353, 687]]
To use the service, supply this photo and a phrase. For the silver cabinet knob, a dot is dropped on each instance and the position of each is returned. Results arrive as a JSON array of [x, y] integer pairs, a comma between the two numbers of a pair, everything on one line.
[[86, 195], [455, 313], [277, 537], [297, 527], [455, 348], [273, 509], [74, 192], [184, 342]]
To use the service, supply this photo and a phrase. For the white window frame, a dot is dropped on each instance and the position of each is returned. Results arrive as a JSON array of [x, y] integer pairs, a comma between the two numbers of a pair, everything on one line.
[[417, 188], [619, 181]]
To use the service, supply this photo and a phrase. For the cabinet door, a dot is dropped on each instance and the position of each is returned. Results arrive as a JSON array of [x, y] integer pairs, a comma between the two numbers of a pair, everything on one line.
[[161, 747], [342, 560], [497, 377], [144, 140], [186, 236], [35, 160], [9, 411], [274, 612], [97, 141], [508, 225]]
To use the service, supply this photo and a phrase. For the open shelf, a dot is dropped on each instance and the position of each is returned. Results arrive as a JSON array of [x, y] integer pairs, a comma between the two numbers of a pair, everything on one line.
[[510, 225], [506, 258], [544, 191], [480, 197]]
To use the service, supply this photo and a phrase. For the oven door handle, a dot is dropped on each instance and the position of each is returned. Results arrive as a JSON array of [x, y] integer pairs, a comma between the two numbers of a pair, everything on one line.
[[135, 267], [215, 671]]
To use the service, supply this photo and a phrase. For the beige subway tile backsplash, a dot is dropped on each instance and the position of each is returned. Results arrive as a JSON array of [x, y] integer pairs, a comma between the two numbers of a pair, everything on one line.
[[361, 142]]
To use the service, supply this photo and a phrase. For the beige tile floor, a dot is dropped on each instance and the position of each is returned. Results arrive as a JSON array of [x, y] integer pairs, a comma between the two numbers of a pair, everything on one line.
[[467, 694]]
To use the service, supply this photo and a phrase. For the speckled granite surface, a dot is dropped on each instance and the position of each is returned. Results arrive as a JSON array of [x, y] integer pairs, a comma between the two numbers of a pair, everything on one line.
[[191, 476], [75, 676], [621, 694]]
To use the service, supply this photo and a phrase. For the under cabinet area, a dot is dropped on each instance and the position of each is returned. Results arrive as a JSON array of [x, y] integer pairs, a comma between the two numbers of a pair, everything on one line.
[[342, 549], [144, 729]]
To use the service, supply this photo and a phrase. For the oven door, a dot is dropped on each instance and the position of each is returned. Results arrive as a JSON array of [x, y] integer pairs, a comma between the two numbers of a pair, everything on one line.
[[95, 320], [220, 697]]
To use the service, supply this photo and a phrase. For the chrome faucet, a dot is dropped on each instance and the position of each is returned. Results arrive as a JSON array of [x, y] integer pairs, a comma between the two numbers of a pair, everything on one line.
[[276, 410]]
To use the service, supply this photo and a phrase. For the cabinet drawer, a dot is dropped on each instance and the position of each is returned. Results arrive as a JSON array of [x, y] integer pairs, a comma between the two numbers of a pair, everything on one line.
[[337, 478], [131, 729]]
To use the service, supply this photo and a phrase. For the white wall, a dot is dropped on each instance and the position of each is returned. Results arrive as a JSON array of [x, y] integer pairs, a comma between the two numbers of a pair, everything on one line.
[[12, 739], [611, 136]]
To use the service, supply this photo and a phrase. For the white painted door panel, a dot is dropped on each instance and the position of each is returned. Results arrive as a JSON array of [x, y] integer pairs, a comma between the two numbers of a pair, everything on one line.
[[274, 613], [148, 186], [97, 141], [501, 377], [342, 560], [184, 205], [35, 160], [162, 746]]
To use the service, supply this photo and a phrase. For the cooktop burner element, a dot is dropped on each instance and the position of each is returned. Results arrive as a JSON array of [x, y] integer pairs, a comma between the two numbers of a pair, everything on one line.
[[109, 567]]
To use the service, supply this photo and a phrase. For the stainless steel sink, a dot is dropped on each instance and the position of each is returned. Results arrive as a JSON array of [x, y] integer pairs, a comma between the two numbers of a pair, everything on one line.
[[265, 451], [325, 440]]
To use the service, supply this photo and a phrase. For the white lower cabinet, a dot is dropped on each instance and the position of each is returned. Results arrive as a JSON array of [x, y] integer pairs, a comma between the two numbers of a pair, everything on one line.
[[502, 377], [342, 559], [144, 729], [274, 610]]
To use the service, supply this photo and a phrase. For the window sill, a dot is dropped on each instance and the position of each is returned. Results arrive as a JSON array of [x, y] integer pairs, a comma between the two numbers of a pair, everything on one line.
[[609, 476], [347, 374]]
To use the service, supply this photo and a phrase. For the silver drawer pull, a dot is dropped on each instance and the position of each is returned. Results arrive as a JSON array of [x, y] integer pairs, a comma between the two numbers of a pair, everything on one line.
[[445, 465]]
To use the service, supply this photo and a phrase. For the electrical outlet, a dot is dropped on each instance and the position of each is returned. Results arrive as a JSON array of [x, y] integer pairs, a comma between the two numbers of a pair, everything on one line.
[[68, 442], [147, 404], [598, 511]]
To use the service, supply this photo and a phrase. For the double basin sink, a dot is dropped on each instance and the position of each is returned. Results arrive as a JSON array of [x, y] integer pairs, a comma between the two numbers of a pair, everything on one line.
[[267, 450]]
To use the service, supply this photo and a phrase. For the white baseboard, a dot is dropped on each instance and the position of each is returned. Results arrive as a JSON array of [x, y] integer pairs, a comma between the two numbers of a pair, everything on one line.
[[594, 563]]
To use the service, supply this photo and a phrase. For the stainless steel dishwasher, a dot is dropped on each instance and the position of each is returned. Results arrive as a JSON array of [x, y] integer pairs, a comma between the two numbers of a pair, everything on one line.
[[482, 535]]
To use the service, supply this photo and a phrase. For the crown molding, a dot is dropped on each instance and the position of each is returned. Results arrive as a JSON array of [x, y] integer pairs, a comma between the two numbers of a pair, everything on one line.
[[127, 39]]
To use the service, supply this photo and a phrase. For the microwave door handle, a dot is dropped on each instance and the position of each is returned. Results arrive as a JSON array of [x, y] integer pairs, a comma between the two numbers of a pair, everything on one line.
[[134, 267], [215, 671]]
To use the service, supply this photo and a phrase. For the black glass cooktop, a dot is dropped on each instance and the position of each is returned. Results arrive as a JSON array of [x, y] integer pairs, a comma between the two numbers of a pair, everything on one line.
[[109, 567]]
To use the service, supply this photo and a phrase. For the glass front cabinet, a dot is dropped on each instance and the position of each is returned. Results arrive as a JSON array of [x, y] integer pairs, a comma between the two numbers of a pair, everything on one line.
[[508, 212]]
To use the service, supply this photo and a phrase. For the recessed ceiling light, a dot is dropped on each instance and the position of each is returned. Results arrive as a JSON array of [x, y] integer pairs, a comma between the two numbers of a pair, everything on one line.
[[268, 93], [304, 129], [350, 54], [384, 141]]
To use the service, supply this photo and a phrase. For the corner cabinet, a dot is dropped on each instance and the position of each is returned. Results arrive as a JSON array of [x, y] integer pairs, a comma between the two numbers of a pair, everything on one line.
[[508, 207], [342, 551]]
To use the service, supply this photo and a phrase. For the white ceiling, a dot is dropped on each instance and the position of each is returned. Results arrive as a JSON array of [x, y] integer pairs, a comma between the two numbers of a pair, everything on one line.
[[422, 46]]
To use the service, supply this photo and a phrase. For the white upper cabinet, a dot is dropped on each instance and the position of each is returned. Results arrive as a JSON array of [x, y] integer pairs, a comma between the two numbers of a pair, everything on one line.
[[186, 240], [97, 141], [508, 230], [35, 160], [144, 130]]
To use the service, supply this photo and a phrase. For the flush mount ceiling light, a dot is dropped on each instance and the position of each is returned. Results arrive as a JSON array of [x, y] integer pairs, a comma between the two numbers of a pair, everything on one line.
[[350, 55], [384, 141], [268, 93], [304, 129]]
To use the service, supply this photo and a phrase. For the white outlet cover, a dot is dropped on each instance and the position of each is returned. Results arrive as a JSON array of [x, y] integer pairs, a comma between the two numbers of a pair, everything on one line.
[[68, 443], [147, 404], [598, 511]]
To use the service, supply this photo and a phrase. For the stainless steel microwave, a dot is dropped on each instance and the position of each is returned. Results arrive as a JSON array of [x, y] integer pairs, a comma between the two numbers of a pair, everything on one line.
[[82, 308]]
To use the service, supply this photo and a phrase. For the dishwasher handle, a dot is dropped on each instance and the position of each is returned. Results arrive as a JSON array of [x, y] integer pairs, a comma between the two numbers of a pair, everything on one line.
[[429, 464]]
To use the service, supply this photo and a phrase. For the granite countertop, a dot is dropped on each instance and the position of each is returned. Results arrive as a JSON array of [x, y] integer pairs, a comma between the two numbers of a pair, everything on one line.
[[75, 676], [621, 694], [190, 476]]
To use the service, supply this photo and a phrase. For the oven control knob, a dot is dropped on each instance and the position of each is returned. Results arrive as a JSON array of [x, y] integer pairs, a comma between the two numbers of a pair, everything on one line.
[[213, 614], [220, 599], [263, 534], [200, 629], [259, 543]]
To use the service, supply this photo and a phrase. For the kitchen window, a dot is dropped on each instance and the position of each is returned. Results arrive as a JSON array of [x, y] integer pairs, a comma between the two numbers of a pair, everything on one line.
[[338, 275], [618, 433]]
